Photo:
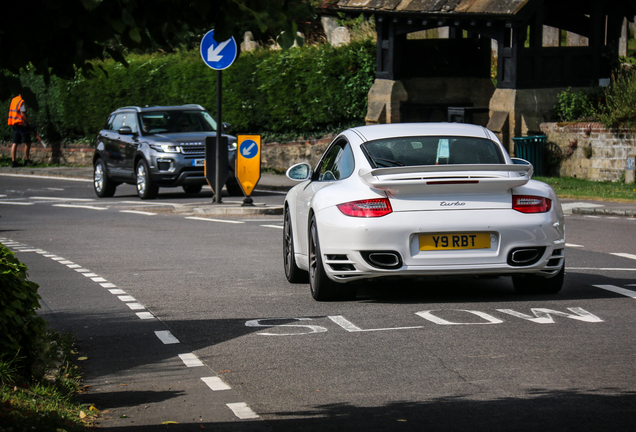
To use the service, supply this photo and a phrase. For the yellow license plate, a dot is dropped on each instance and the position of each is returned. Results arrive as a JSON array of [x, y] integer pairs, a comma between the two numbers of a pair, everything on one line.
[[454, 241]]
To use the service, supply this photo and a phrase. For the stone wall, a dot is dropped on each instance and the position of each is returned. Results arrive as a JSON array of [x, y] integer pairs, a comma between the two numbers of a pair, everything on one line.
[[281, 156], [73, 154], [275, 155], [590, 151]]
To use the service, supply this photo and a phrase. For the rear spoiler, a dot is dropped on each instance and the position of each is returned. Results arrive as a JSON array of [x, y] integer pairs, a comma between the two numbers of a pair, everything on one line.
[[477, 178]]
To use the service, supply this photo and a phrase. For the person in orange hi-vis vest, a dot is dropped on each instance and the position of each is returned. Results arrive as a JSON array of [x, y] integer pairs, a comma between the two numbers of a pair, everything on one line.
[[19, 121]]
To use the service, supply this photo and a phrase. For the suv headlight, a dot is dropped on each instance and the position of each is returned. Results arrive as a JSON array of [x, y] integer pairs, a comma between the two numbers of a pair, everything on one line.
[[231, 145], [166, 148]]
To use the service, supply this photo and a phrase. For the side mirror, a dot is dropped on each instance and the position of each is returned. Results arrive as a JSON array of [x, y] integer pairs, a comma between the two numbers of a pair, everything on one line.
[[125, 130], [299, 172], [519, 161], [227, 127]]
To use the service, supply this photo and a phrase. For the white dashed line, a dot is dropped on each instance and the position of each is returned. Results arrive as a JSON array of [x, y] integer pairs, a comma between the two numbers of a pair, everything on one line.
[[57, 258], [166, 337], [73, 266], [117, 291], [272, 226], [98, 279], [149, 203], [63, 199], [624, 255], [108, 285], [66, 262], [601, 268], [47, 177], [127, 298], [242, 411], [592, 217], [215, 220], [573, 245], [80, 206], [190, 360], [89, 275], [15, 203], [82, 270], [215, 383], [135, 306], [137, 212], [618, 290], [145, 315]]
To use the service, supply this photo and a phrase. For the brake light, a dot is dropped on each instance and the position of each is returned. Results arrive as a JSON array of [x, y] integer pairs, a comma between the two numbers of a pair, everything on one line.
[[367, 208], [531, 204]]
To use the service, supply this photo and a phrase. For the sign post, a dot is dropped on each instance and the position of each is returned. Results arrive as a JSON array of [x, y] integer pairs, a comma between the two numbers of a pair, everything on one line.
[[218, 56], [248, 164]]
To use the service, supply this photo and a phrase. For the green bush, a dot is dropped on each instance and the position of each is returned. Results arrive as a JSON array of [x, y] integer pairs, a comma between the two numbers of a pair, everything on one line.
[[620, 101], [302, 91], [22, 330], [581, 105]]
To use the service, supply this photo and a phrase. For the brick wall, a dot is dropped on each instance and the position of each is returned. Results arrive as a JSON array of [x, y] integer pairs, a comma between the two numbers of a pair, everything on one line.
[[590, 151], [283, 155], [73, 154], [273, 155]]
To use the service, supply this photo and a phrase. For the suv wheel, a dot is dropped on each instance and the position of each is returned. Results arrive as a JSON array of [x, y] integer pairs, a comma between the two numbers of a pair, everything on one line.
[[192, 189], [146, 188], [104, 187], [233, 187]]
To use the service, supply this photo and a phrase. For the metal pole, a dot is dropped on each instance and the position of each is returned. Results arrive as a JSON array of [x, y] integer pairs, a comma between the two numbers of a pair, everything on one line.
[[219, 140]]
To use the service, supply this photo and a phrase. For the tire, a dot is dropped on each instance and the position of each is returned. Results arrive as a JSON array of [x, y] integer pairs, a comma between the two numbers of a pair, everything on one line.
[[146, 188], [192, 189], [323, 288], [104, 186], [233, 187], [292, 272], [533, 284]]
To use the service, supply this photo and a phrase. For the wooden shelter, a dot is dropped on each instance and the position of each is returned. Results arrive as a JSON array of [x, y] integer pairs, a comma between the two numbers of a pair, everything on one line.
[[531, 70]]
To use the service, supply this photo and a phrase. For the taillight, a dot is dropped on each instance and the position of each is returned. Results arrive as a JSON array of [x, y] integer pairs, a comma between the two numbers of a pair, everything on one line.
[[366, 208], [531, 204]]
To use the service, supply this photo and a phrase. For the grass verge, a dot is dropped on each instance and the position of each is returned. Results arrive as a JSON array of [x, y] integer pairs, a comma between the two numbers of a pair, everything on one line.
[[571, 187], [46, 400]]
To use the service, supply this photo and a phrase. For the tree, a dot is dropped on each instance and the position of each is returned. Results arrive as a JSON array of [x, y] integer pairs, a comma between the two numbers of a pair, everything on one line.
[[60, 37]]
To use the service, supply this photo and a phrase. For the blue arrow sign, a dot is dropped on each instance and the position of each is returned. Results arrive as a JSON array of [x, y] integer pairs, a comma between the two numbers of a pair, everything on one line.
[[248, 149], [218, 56]]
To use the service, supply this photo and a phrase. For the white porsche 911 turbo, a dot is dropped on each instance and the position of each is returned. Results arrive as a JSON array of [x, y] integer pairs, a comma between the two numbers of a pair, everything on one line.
[[420, 199]]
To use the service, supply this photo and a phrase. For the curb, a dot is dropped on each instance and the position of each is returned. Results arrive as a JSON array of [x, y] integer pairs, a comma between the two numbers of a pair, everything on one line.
[[604, 212]]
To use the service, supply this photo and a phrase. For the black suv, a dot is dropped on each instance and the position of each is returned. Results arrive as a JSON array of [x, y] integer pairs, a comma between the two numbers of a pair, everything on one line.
[[152, 147]]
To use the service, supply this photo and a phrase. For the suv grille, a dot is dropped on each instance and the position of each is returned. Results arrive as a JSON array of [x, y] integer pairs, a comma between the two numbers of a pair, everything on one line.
[[192, 148]]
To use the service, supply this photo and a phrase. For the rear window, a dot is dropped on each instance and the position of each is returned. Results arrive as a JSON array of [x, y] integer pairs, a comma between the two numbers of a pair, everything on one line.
[[432, 150]]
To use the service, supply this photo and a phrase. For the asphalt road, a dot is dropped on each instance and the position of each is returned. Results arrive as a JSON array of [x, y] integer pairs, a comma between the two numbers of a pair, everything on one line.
[[190, 320]]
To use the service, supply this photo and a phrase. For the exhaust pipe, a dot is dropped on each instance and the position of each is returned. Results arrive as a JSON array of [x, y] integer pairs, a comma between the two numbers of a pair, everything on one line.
[[525, 256], [383, 259]]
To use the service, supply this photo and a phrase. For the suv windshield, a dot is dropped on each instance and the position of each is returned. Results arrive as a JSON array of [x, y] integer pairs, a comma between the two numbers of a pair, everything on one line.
[[433, 150], [178, 121]]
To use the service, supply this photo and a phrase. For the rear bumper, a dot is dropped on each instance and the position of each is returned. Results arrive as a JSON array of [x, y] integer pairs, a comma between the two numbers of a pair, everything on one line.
[[346, 243]]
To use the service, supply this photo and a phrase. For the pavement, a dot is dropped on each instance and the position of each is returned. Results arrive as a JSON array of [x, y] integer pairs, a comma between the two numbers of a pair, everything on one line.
[[280, 183], [268, 182]]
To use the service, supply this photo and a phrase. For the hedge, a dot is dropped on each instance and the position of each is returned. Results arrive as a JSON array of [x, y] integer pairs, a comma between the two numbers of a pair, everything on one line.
[[21, 329], [300, 91]]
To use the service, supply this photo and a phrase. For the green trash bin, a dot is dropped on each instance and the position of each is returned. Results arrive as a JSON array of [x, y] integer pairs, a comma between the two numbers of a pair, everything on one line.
[[532, 149]]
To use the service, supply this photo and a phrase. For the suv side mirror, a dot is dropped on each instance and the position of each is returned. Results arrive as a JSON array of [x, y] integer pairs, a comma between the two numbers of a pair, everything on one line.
[[227, 127], [125, 130]]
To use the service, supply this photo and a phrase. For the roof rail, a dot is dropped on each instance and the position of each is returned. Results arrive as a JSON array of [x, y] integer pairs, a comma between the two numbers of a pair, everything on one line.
[[136, 108], [193, 105]]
